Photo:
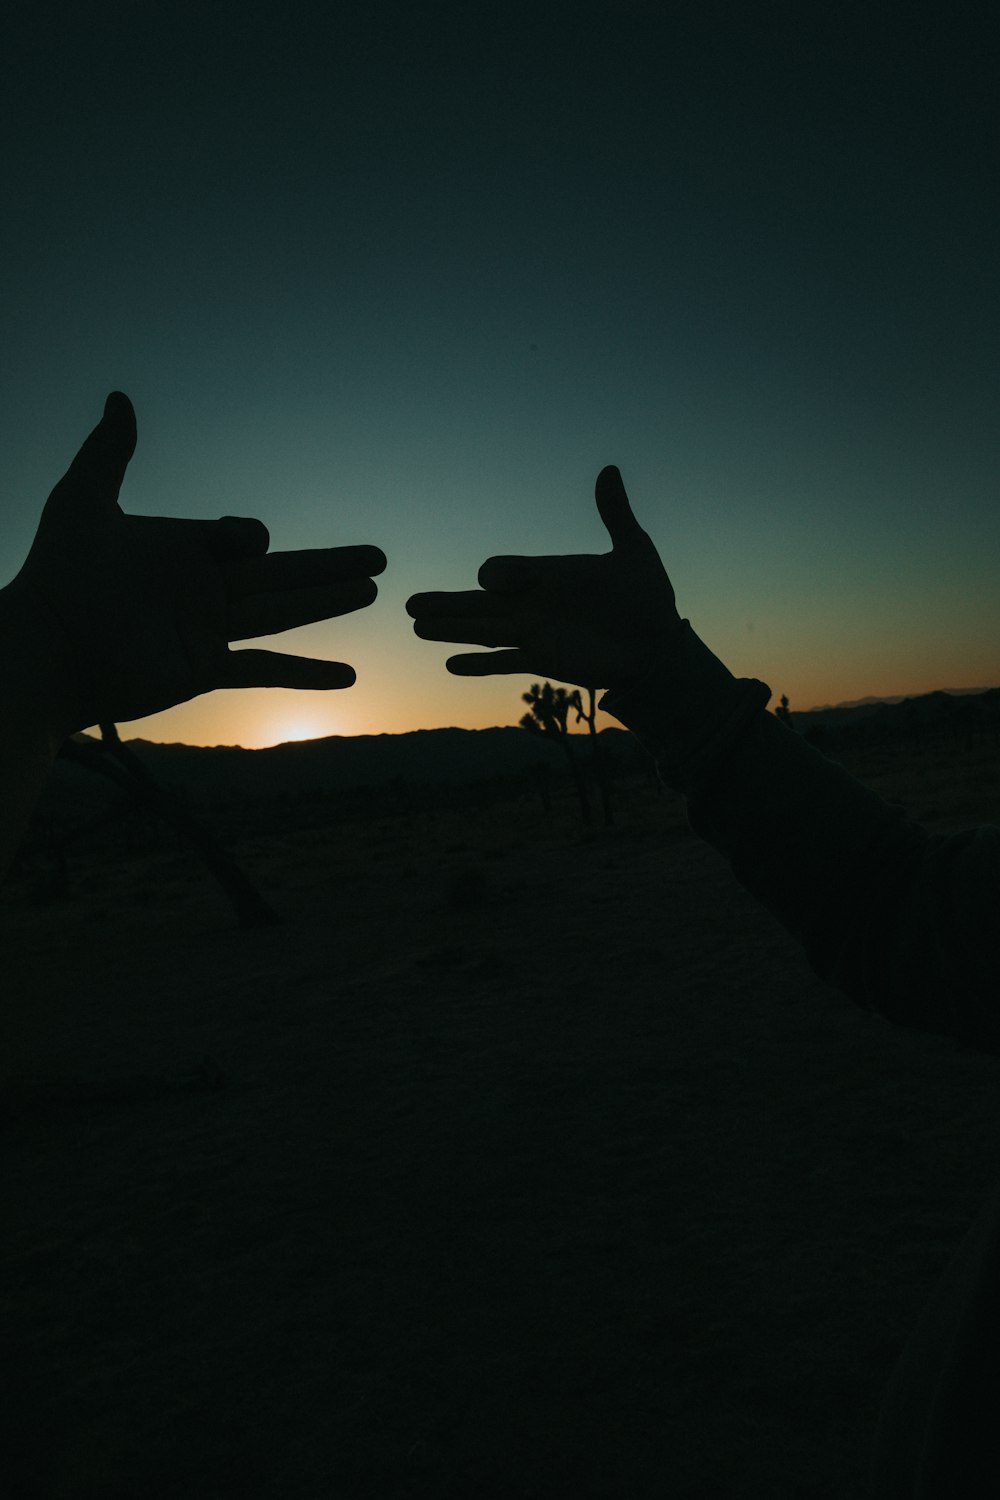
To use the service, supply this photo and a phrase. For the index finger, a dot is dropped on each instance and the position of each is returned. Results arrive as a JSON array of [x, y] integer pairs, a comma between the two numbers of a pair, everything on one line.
[[311, 567], [510, 575], [465, 602]]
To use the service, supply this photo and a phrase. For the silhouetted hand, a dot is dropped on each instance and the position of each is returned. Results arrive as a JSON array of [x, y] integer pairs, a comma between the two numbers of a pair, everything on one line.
[[126, 615], [592, 620]]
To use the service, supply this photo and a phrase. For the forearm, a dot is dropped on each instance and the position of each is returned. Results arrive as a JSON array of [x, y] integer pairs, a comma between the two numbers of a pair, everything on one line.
[[894, 916], [30, 734], [788, 819]]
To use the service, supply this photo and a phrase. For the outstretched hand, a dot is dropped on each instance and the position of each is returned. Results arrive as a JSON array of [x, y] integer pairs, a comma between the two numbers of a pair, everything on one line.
[[127, 615], [593, 620]]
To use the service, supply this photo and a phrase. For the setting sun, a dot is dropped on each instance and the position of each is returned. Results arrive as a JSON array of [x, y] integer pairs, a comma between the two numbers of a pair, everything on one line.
[[299, 729]]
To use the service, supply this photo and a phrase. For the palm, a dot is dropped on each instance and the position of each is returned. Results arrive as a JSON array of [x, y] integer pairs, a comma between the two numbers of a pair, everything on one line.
[[578, 619], [587, 619], [154, 572], [136, 613]]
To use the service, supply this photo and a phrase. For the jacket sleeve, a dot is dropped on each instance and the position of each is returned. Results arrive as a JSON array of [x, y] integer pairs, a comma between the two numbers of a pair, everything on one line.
[[903, 921]]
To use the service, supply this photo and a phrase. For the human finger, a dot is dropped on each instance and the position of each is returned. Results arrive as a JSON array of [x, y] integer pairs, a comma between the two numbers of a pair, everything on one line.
[[462, 602], [486, 663], [284, 609], [95, 476], [308, 568], [233, 537], [476, 630], [275, 669], [509, 575], [614, 508]]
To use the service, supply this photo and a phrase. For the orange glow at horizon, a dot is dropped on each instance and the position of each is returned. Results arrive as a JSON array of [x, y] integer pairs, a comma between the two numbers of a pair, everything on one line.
[[295, 728], [277, 717], [402, 685]]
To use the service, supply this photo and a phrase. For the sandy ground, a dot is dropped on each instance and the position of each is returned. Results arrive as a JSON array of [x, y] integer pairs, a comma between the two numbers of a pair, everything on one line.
[[520, 1160]]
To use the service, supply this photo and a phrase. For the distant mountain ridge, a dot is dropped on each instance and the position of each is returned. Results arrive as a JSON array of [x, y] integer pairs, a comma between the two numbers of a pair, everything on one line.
[[343, 762], [334, 766], [894, 716], [359, 765], [826, 708]]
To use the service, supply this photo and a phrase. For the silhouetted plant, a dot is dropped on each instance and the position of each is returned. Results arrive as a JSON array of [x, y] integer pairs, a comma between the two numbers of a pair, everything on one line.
[[109, 757], [601, 771], [548, 714], [782, 712]]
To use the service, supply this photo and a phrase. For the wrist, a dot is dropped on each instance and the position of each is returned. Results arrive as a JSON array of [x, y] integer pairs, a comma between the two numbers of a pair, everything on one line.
[[688, 710]]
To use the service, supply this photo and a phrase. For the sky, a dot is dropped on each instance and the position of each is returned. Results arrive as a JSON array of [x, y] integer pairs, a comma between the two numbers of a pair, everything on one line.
[[411, 275]]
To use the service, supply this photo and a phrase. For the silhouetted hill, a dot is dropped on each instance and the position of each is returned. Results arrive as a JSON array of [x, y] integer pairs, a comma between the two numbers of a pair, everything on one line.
[[826, 708], [339, 763], [889, 719], [335, 767], [383, 771]]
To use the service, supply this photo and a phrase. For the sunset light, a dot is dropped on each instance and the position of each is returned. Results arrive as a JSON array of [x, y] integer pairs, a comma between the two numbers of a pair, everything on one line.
[[794, 368], [299, 729], [417, 1081]]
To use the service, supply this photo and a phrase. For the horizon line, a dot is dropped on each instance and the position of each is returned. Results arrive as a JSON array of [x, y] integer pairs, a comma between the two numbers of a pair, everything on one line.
[[889, 698]]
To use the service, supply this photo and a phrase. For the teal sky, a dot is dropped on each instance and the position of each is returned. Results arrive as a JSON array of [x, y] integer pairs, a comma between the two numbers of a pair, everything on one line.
[[412, 276]]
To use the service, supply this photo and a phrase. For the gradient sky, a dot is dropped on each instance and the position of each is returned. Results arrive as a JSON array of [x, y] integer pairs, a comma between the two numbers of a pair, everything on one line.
[[412, 274]]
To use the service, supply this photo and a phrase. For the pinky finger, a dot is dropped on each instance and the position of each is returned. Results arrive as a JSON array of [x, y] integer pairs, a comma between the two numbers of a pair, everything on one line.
[[486, 663], [275, 669]]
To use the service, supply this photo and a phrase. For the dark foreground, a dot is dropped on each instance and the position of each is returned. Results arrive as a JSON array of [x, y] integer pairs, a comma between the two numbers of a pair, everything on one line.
[[541, 1165]]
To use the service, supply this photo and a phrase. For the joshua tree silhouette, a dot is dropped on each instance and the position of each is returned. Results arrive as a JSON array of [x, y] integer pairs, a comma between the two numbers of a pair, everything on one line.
[[109, 757], [782, 713], [548, 713], [597, 750]]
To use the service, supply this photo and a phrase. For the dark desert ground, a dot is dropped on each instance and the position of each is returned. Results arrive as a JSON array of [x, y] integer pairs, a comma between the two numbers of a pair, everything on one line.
[[521, 1159]]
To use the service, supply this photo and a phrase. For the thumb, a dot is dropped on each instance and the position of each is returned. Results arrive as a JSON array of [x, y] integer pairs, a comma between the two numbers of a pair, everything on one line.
[[96, 473], [614, 508]]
